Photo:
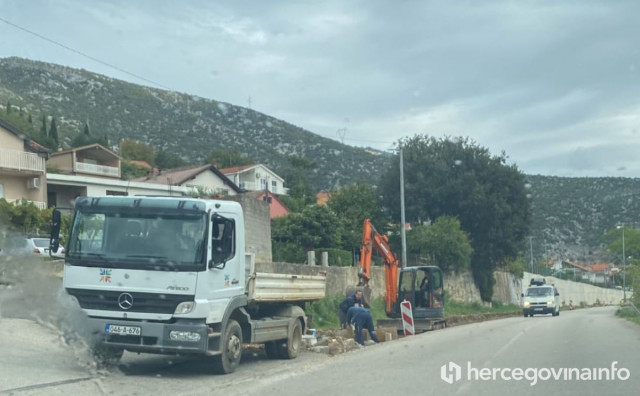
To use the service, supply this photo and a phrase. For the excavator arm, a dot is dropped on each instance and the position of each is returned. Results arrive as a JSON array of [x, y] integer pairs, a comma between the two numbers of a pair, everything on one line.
[[372, 239]]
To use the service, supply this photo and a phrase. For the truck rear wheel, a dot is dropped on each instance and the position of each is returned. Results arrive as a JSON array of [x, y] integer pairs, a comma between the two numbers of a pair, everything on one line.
[[231, 345], [290, 348]]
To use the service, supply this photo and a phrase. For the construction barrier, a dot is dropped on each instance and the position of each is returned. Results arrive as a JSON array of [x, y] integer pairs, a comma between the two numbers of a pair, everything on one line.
[[407, 318]]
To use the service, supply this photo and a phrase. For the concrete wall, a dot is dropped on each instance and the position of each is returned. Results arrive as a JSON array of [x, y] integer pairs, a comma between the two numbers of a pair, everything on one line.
[[257, 225], [459, 287], [579, 292]]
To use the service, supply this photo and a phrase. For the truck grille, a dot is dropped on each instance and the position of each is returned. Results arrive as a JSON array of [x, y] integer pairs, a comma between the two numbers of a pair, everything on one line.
[[142, 302]]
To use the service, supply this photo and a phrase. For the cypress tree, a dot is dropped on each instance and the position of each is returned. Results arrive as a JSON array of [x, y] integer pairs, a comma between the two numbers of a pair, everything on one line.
[[53, 130], [86, 128], [30, 120], [43, 128], [8, 107]]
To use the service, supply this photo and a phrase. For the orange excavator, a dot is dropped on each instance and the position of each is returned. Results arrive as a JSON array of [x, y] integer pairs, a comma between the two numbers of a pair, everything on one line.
[[421, 285]]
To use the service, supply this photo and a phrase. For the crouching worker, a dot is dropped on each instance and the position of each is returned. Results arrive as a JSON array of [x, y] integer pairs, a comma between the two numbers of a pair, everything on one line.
[[361, 319], [354, 300]]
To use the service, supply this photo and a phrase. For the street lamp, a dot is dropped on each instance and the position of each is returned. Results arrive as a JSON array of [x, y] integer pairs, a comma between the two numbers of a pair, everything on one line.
[[624, 273]]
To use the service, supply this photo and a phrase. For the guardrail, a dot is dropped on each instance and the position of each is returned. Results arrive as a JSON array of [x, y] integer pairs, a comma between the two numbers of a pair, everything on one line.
[[97, 169]]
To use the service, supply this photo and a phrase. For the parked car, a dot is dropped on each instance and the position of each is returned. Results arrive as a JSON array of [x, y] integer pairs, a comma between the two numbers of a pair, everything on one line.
[[39, 246]]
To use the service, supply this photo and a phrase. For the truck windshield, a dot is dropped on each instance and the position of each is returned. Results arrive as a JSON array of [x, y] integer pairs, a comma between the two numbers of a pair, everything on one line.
[[145, 239]]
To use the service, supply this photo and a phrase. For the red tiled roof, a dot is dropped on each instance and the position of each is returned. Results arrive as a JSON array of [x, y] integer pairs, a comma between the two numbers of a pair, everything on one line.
[[178, 176], [237, 168]]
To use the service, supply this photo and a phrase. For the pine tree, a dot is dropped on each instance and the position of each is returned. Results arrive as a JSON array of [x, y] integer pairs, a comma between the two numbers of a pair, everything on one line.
[[8, 107], [86, 128], [53, 130], [30, 120]]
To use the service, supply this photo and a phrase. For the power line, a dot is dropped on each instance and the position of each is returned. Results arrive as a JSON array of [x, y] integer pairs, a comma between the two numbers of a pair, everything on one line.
[[83, 54]]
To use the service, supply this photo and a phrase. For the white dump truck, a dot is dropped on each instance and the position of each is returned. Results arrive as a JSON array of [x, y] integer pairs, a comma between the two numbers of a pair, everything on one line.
[[171, 276]]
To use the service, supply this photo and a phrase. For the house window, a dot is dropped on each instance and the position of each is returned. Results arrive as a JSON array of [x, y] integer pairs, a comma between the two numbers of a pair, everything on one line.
[[263, 184], [274, 184], [112, 192]]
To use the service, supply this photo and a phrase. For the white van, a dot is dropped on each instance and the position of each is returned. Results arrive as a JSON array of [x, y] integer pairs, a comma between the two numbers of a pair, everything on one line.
[[543, 299]]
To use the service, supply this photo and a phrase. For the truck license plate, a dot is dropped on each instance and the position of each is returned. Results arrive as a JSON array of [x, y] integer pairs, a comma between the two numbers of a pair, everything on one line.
[[122, 330], [537, 309]]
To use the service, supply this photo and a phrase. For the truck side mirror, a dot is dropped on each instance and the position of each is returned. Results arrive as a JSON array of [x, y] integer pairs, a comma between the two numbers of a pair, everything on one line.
[[522, 295], [54, 241]]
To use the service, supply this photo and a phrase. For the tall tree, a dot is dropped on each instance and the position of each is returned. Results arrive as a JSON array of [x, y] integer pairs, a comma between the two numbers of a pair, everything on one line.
[[8, 107], [30, 119], [456, 177], [53, 130], [315, 227], [353, 204], [444, 243], [86, 129], [300, 193], [43, 128]]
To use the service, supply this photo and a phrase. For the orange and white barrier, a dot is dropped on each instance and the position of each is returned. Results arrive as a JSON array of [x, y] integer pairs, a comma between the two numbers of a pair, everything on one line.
[[407, 318]]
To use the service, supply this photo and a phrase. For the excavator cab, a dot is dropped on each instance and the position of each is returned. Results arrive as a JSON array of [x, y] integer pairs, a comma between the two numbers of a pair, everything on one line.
[[423, 287]]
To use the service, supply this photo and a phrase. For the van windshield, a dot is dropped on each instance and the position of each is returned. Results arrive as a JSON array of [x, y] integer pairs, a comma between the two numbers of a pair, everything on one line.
[[149, 239], [539, 291]]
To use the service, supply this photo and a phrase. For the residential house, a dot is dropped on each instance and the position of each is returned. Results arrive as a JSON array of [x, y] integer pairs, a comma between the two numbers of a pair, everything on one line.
[[256, 177], [22, 167], [594, 273], [206, 178], [276, 207], [93, 170]]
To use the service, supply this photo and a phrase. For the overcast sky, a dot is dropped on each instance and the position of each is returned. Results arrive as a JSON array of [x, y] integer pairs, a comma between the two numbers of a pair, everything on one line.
[[555, 84]]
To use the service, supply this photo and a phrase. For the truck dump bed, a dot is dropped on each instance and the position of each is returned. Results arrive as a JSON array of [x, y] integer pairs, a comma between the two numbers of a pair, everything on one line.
[[265, 287]]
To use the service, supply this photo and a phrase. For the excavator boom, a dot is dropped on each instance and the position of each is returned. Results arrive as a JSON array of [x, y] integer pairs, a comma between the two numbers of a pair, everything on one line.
[[372, 239]]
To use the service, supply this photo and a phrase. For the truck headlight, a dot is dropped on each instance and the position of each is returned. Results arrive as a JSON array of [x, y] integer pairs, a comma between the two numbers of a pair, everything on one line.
[[184, 307], [527, 304], [549, 303]]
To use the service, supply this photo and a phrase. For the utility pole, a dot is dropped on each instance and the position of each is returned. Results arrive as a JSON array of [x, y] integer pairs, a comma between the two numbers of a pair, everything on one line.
[[402, 219], [531, 252]]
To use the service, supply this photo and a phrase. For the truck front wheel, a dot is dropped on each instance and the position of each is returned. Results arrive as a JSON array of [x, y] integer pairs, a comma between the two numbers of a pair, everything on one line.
[[106, 356], [291, 348], [231, 345]]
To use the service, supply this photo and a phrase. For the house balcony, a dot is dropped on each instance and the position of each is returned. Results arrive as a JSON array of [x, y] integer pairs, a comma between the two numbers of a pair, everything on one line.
[[97, 169], [22, 161], [249, 186]]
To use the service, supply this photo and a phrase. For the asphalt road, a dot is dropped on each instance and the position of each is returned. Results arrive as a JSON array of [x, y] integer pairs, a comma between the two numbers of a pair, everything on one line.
[[36, 360]]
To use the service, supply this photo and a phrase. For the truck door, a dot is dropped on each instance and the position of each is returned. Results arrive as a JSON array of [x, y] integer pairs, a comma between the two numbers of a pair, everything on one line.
[[224, 278]]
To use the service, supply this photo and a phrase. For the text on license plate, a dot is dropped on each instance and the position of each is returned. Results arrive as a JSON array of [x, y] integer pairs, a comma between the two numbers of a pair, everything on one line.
[[122, 330]]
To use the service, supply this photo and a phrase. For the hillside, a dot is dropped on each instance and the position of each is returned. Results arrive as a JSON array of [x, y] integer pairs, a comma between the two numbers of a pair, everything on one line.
[[185, 125], [569, 215]]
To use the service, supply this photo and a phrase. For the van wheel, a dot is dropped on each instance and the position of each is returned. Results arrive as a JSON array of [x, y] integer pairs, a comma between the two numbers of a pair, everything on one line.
[[291, 348], [231, 345]]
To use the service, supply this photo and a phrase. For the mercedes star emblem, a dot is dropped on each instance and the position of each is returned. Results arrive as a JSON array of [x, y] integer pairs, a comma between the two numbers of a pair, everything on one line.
[[125, 301]]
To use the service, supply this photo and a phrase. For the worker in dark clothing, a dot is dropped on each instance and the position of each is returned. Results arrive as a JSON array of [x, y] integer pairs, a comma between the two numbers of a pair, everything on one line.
[[361, 319], [354, 300]]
